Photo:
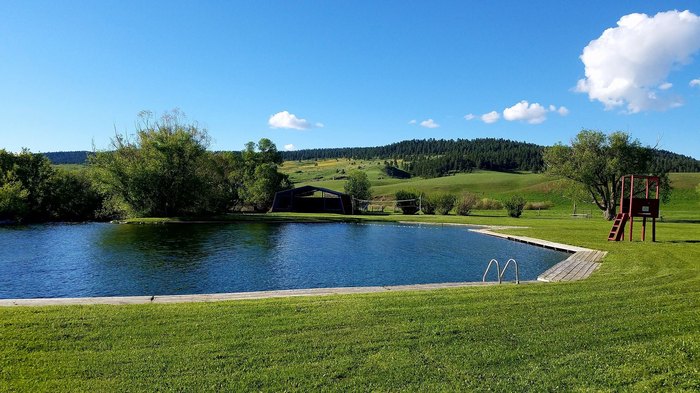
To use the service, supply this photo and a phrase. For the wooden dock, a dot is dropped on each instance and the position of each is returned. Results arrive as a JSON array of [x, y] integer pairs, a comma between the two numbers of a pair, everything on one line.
[[576, 267]]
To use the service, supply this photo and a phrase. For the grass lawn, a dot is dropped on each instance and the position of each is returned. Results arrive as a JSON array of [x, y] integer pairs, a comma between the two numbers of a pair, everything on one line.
[[633, 325]]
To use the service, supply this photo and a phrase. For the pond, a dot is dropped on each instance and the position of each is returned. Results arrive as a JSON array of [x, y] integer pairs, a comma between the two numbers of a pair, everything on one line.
[[99, 259]]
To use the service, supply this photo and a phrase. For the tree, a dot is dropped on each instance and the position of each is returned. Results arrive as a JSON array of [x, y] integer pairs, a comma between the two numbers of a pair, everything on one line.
[[225, 181], [32, 190], [13, 201], [166, 170], [74, 198], [598, 162], [34, 172], [358, 186], [162, 172], [260, 180]]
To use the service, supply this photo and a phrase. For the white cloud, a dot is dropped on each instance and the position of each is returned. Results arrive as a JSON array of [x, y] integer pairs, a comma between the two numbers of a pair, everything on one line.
[[412, 121], [695, 82], [626, 63], [285, 119], [289, 147], [430, 123], [563, 111], [490, 117], [470, 116], [532, 113], [665, 86]]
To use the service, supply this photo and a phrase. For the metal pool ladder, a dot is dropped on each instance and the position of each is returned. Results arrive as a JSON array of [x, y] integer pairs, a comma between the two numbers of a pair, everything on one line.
[[500, 272]]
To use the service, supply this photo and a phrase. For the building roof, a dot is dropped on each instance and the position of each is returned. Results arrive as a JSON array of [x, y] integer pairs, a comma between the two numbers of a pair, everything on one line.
[[308, 190]]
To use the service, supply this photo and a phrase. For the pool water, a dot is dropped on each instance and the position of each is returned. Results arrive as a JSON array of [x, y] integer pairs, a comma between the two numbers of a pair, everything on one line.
[[99, 259]]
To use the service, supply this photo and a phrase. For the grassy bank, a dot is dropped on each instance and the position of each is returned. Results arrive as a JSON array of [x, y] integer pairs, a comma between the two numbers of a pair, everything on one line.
[[635, 324]]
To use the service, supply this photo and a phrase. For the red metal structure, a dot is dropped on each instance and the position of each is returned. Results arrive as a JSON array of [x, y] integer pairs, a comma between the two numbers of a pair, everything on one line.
[[635, 201]]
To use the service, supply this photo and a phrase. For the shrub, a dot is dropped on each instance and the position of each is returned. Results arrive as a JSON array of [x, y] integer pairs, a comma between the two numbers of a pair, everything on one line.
[[466, 204], [408, 207], [428, 204], [488, 204], [539, 205], [514, 205], [444, 202]]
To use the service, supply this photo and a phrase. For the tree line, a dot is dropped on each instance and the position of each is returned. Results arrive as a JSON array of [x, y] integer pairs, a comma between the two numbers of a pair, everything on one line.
[[483, 153], [164, 170], [486, 153], [428, 167]]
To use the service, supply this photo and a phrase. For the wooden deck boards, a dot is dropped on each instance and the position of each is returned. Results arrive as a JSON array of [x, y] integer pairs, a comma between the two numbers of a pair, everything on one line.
[[576, 267]]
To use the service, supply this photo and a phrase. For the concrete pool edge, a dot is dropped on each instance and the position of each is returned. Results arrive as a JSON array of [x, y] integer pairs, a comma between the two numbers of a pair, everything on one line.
[[217, 297], [579, 265]]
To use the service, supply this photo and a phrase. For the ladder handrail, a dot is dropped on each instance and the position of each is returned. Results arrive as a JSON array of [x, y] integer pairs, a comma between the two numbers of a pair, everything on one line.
[[498, 270], [517, 270]]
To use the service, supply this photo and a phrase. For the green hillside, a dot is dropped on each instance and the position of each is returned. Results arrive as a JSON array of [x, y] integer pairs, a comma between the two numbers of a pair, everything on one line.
[[534, 187]]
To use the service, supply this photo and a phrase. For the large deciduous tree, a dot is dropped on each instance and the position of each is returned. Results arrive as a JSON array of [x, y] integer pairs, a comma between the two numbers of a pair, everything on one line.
[[358, 186], [259, 179], [598, 161], [161, 171], [166, 170]]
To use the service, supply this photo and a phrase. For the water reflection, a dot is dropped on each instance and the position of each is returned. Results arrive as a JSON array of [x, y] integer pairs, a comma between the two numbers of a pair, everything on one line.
[[157, 247]]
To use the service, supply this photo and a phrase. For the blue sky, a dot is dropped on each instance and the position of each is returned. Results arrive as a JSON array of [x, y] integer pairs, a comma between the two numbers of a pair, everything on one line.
[[350, 73]]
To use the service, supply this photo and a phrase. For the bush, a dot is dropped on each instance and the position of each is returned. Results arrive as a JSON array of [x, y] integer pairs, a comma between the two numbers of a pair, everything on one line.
[[408, 207], [488, 204], [428, 204], [466, 204], [514, 205], [539, 205], [444, 202], [440, 203]]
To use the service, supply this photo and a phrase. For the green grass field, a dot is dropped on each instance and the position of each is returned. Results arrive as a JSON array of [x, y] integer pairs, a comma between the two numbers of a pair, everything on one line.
[[534, 187], [634, 325]]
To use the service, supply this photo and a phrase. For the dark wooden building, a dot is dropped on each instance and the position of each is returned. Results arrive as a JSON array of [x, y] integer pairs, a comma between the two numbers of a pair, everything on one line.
[[310, 199]]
